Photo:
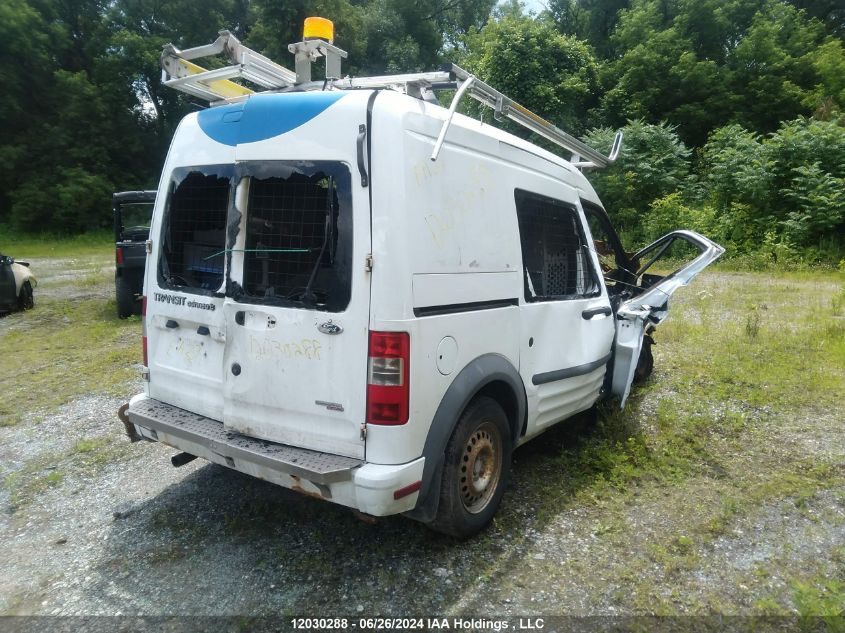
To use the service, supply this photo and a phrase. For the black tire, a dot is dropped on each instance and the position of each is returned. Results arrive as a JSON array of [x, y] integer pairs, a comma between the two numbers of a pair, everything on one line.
[[645, 363], [26, 300], [475, 470], [126, 304]]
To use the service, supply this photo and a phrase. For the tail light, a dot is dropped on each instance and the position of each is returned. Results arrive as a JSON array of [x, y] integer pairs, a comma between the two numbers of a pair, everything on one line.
[[118, 255], [144, 328], [387, 378]]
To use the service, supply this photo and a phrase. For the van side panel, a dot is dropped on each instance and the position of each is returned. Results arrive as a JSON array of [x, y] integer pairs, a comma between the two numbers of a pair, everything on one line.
[[440, 272]]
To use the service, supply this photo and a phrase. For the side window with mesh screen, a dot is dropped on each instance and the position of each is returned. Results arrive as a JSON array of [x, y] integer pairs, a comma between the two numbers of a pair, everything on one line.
[[299, 237], [194, 233], [555, 257]]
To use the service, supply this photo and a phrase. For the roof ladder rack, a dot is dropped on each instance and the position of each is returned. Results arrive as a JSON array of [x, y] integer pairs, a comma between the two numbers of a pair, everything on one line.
[[216, 85], [504, 107]]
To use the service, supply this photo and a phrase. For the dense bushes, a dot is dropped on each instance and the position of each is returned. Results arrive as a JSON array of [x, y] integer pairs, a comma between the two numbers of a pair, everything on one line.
[[717, 93], [780, 195]]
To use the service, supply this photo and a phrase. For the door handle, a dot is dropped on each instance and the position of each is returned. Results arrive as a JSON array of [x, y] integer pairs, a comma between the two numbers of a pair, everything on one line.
[[591, 312], [362, 166], [171, 324], [203, 330], [239, 317]]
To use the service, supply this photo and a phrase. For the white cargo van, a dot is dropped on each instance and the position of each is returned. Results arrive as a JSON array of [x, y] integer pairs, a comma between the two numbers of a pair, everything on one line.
[[331, 310]]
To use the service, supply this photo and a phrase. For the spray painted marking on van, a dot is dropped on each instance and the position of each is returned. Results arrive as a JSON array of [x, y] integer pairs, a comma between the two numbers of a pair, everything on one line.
[[264, 116], [263, 349], [425, 170], [189, 350], [459, 205]]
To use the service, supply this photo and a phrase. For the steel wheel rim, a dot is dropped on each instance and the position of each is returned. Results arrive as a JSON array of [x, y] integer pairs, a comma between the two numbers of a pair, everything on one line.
[[480, 467]]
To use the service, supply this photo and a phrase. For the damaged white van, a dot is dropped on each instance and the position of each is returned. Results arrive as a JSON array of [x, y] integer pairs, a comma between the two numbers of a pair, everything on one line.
[[356, 293]]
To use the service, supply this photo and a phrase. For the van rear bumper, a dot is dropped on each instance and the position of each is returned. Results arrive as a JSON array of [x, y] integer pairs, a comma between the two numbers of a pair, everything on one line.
[[348, 481]]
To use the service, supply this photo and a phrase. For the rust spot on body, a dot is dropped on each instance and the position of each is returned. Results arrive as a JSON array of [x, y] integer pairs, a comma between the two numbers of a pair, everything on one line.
[[297, 487]]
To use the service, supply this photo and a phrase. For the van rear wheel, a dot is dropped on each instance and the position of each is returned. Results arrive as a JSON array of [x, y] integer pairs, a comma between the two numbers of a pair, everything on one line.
[[475, 470]]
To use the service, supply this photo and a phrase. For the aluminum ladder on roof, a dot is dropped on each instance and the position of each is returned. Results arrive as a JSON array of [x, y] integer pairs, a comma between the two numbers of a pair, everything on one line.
[[216, 86], [506, 108]]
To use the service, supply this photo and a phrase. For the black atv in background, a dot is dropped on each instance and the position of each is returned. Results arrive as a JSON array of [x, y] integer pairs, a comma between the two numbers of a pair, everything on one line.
[[133, 211]]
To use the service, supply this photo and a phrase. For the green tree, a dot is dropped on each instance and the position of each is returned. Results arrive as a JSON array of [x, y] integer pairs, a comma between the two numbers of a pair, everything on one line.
[[653, 163], [790, 184], [701, 64], [22, 29], [771, 68], [592, 20], [736, 168], [829, 63], [527, 59]]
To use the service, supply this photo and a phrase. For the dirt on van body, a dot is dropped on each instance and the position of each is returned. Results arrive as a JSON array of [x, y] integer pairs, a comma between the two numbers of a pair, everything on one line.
[[718, 490]]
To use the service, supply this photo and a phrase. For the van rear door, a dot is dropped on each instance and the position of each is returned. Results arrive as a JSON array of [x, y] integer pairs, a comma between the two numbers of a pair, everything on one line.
[[297, 309], [184, 290]]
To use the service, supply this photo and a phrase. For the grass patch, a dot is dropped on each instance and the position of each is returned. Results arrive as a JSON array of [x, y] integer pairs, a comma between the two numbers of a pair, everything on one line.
[[24, 246], [27, 484], [94, 278], [823, 597], [748, 368], [72, 343], [75, 348]]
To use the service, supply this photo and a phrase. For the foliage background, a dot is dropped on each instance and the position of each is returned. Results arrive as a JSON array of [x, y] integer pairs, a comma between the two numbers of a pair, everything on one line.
[[732, 109]]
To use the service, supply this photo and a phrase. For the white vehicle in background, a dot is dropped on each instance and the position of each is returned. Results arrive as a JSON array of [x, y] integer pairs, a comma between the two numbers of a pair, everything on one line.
[[358, 294], [16, 285]]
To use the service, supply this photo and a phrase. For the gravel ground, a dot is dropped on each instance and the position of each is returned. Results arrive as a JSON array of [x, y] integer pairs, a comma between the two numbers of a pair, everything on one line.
[[129, 534], [136, 536]]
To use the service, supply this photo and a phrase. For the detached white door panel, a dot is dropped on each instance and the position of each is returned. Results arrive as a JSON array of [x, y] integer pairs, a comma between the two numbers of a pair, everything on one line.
[[652, 304]]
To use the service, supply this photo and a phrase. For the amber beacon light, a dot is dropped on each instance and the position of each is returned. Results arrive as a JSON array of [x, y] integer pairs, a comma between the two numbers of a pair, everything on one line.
[[318, 29]]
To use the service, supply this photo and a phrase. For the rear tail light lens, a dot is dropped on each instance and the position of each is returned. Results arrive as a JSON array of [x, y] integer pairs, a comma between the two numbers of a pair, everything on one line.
[[118, 255], [144, 329], [387, 378]]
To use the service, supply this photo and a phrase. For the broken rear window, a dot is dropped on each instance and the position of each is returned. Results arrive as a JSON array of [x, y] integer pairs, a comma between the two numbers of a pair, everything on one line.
[[299, 235], [194, 231]]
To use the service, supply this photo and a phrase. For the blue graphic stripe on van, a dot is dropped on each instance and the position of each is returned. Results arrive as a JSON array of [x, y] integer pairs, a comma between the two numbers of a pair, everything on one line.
[[264, 116]]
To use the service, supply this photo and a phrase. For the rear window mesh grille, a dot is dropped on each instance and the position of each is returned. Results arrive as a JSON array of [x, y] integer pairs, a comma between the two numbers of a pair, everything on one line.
[[291, 238], [195, 235], [555, 257]]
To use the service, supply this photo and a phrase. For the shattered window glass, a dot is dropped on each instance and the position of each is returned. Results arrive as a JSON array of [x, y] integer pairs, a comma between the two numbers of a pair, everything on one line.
[[299, 235], [194, 232]]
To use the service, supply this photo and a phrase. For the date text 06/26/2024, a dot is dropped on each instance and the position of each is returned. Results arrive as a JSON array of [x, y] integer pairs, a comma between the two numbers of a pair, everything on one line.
[[421, 624]]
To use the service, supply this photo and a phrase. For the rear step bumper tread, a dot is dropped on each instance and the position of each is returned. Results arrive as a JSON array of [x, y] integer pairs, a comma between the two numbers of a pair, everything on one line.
[[320, 468]]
